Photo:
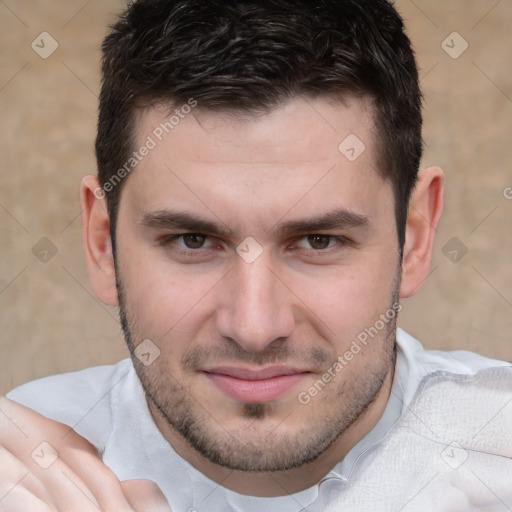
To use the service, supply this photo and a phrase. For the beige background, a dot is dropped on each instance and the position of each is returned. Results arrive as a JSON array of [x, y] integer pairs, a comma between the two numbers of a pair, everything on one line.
[[50, 321]]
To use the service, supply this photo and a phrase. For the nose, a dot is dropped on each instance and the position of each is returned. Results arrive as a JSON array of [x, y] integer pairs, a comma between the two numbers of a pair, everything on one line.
[[257, 308]]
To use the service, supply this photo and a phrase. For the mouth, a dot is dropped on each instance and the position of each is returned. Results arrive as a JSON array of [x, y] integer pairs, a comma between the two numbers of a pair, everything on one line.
[[252, 386]]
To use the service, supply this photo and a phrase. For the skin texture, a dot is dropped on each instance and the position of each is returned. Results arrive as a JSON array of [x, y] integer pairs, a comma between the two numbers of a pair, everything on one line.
[[76, 481], [297, 307]]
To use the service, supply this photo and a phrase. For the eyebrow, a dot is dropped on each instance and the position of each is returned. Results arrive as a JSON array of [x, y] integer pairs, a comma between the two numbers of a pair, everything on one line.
[[183, 221], [186, 222], [337, 219]]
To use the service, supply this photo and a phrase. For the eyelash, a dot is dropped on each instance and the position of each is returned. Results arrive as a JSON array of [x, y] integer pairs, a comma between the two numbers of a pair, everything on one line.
[[340, 240]]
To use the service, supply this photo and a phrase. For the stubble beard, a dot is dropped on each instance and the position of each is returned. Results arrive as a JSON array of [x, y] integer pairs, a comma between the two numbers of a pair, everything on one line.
[[254, 447]]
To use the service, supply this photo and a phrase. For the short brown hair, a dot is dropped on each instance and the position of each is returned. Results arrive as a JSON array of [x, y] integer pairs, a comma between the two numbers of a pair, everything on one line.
[[251, 55]]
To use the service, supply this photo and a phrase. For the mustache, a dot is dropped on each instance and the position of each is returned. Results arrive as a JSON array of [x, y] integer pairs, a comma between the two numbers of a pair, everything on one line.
[[277, 352]]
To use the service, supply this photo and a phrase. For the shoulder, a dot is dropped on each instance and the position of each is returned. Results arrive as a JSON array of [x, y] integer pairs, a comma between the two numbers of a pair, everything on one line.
[[458, 361], [456, 396], [452, 442], [415, 363], [452, 446], [80, 399]]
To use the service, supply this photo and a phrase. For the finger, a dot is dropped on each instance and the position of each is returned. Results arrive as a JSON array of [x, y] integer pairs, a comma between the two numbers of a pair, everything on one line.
[[95, 478], [73, 467], [30, 437], [145, 496], [17, 420], [20, 499], [14, 476], [51, 489], [95, 488]]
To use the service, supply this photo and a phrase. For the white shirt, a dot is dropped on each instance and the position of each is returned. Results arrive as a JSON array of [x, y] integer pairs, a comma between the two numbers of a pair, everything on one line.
[[107, 406]]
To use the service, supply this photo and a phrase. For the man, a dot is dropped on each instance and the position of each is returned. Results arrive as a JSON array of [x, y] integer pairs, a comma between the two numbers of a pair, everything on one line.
[[257, 216]]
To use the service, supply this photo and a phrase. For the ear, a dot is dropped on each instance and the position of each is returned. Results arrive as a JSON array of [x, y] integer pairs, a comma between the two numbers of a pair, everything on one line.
[[97, 242], [425, 210]]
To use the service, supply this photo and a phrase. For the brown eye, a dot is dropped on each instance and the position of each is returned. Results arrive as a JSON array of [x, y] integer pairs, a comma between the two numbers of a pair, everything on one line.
[[319, 241], [193, 241]]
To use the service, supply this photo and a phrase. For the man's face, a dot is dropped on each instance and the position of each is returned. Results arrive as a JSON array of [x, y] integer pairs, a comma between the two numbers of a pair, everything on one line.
[[243, 336]]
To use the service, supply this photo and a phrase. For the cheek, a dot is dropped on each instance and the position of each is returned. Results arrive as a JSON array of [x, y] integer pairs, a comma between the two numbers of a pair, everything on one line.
[[352, 298], [168, 308], [161, 300]]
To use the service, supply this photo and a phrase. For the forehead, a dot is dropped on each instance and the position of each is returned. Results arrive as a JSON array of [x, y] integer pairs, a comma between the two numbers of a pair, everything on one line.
[[299, 123], [306, 153]]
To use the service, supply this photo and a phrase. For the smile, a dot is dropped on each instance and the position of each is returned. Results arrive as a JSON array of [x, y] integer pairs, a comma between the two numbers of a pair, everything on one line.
[[244, 385]]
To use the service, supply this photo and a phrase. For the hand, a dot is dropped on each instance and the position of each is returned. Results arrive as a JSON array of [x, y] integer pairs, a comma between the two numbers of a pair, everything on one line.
[[46, 466]]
